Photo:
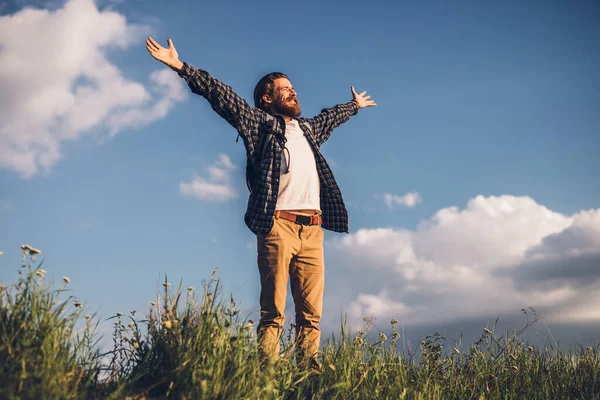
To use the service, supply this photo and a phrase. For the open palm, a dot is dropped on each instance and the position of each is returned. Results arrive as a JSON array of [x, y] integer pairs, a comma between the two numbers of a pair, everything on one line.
[[362, 100], [168, 55]]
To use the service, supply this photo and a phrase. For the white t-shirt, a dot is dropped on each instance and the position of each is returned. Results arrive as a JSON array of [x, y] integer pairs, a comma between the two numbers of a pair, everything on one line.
[[299, 187]]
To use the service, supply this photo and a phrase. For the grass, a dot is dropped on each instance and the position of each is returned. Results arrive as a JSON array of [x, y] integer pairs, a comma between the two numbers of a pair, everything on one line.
[[195, 345]]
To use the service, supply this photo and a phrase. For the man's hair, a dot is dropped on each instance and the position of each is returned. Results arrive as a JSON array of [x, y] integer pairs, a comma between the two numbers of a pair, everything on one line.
[[266, 86]]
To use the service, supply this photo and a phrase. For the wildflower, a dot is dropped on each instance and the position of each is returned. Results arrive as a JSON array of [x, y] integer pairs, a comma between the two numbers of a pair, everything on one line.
[[117, 323], [456, 350], [40, 272], [382, 337], [395, 335], [136, 345], [87, 317], [131, 324], [394, 323], [486, 330], [153, 303], [248, 326], [191, 288], [167, 324], [31, 250], [78, 304], [166, 284], [119, 314], [66, 279]]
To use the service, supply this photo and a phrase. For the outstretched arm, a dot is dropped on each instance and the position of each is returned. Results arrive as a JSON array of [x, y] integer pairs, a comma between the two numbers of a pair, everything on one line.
[[221, 97], [330, 118]]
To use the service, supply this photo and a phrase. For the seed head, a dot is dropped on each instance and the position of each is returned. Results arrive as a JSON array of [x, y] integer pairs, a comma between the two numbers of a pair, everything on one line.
[[131, 324], [395, 335], [153, 303], [167, 324], [119, 314], [78, 304], [66, 279], [136, 345], [88, 317], [166, 284], [513, 356], [382, 337], [486, 330], [394, 323], [190, 289], [456, 350], [40, 272]]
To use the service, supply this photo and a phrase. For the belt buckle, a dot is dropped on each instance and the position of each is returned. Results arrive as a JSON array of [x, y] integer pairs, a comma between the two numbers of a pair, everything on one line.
[[303, 219]]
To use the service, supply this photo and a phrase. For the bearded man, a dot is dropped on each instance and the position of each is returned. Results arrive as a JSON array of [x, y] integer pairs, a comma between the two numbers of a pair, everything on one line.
[[293, 194]]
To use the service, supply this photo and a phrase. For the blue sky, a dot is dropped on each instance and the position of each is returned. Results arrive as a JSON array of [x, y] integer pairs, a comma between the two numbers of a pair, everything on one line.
[[487, 114]]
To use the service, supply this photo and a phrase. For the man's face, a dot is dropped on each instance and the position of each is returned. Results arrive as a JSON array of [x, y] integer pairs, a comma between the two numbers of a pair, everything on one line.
[[284, 100]]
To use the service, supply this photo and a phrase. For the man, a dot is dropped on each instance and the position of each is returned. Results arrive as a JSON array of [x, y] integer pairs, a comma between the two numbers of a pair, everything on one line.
[[293, 194]]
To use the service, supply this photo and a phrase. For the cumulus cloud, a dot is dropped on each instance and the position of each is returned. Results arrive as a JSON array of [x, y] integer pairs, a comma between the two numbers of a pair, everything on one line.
[[58, 84], [409, 200], [495, 256], [216, 186]]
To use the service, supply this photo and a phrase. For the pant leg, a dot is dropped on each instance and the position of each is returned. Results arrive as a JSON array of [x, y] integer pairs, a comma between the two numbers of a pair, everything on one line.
[[275, 251], [307, 275]]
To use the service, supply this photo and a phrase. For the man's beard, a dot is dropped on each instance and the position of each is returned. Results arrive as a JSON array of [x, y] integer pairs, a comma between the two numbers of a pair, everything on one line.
[[289, 108]]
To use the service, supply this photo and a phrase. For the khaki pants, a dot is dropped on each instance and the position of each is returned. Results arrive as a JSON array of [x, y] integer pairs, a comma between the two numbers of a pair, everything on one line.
[[296, 251]]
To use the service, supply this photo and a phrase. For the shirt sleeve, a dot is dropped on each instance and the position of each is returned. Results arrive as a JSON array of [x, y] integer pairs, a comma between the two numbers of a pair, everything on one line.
[[330, 118], [224, 101]]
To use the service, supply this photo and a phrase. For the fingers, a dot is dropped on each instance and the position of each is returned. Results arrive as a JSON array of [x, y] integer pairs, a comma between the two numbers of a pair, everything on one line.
[[153, 44], [353, 91], [170, 43]]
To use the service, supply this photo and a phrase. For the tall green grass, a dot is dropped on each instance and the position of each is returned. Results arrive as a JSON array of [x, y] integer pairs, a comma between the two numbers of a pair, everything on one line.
[[193, 345]]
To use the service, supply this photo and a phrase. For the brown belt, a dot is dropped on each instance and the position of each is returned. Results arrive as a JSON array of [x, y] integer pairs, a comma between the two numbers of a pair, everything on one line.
[[300, 219]]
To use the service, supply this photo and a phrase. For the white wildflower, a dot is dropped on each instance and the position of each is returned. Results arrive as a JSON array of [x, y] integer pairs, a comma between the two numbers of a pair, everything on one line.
[[66, 279]]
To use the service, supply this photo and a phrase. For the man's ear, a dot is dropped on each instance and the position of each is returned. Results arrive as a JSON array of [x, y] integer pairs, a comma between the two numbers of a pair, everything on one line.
[[267, 99]]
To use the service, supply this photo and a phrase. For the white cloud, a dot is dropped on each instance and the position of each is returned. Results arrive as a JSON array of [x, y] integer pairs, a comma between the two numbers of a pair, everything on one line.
[[217, 187], [409, 200], [57, 83], [497, 255]]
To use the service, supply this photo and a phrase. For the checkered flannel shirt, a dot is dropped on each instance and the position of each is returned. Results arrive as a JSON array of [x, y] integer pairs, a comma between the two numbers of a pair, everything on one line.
[[251, 123]]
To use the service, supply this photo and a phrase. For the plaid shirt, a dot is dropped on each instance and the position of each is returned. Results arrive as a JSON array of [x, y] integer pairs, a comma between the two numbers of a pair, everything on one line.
[[251, 123]]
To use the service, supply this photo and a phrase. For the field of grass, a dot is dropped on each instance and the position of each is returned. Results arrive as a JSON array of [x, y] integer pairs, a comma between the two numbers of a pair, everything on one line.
[[193, 344]]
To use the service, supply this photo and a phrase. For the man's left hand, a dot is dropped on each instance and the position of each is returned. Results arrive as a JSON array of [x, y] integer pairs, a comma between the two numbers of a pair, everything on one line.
[[362, 100]]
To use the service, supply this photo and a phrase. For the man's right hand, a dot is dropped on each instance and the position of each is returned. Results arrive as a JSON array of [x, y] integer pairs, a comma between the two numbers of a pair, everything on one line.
[[168, 56]]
